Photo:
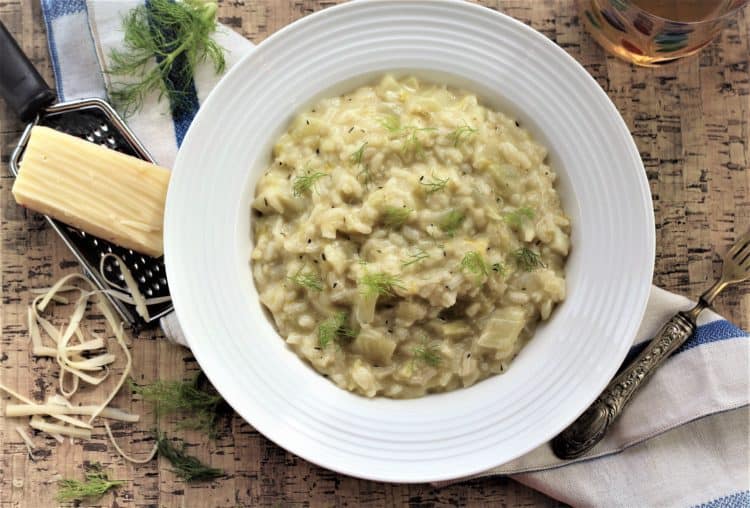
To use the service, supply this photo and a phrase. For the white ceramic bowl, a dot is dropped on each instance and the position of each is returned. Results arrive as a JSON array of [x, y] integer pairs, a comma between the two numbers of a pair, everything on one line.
[[438, 437]]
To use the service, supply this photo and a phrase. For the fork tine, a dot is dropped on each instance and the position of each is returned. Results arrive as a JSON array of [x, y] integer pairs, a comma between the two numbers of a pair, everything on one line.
[[739, 245], [743, 249]]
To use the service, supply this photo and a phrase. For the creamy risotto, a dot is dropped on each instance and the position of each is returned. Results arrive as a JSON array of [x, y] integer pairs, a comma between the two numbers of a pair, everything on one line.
[[408, 239]]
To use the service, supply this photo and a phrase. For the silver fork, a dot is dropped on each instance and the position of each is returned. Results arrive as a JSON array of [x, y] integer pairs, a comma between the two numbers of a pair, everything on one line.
[[591, 426]]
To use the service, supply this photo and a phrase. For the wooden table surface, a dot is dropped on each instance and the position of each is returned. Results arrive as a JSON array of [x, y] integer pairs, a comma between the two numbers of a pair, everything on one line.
[[689, 120]]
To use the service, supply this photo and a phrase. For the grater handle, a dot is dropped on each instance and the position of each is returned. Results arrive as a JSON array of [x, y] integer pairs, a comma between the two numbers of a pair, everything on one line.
[[20, 84]]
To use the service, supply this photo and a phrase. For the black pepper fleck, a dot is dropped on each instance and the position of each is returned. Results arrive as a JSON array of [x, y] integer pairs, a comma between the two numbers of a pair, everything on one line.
[[323, 256], [307, 122], [335, 284], [350, 130]]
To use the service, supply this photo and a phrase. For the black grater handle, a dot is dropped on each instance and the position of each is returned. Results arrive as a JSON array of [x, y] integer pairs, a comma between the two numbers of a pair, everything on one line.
[[20, 84]]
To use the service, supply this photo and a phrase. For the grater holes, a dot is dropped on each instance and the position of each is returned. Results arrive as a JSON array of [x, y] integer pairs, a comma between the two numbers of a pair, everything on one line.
[[90, 138], [163, 281], [142, 279], [104, 127], [111, 141], [149, 292]]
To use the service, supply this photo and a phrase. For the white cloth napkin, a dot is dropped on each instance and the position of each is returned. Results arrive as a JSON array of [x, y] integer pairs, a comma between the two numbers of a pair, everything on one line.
[[683, 441]]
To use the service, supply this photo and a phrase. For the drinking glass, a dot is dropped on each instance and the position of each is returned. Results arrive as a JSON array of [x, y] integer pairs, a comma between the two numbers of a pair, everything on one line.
[[655, 32]]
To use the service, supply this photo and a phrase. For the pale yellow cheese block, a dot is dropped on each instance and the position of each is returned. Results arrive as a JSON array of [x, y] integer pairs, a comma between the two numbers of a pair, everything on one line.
[[103, 192]]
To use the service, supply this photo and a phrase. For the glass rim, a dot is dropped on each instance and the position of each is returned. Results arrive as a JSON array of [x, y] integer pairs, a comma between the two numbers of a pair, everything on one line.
[[730, 12]]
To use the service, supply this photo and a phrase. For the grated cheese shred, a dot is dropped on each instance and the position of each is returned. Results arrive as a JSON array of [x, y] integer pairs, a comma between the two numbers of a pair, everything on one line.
[[82, 357]]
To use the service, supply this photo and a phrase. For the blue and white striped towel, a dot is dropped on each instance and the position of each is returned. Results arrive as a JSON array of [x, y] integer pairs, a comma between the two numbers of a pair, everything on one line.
[[683, 441], [82, 34]]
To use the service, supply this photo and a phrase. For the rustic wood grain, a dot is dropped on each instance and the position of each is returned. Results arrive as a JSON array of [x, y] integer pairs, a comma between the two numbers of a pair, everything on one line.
[[689, 120]]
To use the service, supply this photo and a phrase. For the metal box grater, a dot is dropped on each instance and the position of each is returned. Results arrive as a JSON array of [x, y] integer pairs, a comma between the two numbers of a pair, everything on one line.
[[96, 121]]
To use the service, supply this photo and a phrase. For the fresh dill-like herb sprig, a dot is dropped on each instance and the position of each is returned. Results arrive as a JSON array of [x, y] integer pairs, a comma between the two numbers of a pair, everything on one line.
[[498, 268], [527, 259], [474, 263], [379, 284], [174, 35], [415, 258], [426, 353], [308, 280], [451, 221], [356, 156], [395, 216], [461, 134], [305, 182], [198, 400], [391, 123], [95, 485], [518, 216], [186, 466], [334, 329], [411, 142], [436, 185]]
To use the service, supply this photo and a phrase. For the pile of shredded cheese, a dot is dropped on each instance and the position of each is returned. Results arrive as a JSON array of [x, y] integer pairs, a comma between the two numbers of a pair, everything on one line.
[[82, 356]]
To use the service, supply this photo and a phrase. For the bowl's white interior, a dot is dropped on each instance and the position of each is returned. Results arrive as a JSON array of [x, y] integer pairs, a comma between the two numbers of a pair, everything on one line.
[[513, 69]]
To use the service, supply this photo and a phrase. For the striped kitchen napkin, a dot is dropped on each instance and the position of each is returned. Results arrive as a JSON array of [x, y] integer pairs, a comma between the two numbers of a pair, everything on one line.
[[683, 441], [81, 35]]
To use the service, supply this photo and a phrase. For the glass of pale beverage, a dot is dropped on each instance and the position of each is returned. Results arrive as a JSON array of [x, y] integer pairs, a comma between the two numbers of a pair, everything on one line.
[[654, 32]]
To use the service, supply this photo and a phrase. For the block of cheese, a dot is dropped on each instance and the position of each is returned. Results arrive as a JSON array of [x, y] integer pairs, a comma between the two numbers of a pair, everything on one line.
[[108, 194]]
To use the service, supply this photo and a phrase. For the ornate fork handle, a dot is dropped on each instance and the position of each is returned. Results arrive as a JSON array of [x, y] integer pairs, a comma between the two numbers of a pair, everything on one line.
[[592, 425]]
